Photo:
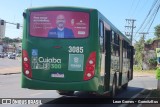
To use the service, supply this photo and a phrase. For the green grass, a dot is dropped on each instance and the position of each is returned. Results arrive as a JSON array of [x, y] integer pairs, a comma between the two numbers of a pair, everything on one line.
[[137, 69], [149, 72]]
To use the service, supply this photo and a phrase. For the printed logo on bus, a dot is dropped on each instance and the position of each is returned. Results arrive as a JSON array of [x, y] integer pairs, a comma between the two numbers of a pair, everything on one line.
[[76, 62], [46, 63], [49, 60], [57, 75]]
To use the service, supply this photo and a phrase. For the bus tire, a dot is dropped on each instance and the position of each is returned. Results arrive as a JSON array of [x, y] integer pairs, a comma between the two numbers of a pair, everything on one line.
[[114, 87], [125, 86], [69, 93]]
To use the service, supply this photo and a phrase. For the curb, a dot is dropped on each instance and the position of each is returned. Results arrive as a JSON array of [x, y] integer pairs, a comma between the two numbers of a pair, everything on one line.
[[9, 73]]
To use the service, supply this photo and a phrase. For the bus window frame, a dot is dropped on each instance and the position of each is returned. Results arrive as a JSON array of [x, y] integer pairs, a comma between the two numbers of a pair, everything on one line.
[[115, 46], [112, 36], [101, 35], [126, 49], [29, 20]]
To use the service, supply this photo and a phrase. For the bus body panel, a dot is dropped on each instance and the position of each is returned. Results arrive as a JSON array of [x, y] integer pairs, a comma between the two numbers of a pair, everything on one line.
[[91, 85], [56, 51], [51, 58]]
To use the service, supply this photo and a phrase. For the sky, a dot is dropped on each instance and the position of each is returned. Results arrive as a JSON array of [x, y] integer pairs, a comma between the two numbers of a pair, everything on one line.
[[116, 11]]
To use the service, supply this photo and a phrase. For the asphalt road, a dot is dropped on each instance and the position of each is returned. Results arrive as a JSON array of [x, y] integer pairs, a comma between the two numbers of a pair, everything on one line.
[[10, 87], [9, 63]]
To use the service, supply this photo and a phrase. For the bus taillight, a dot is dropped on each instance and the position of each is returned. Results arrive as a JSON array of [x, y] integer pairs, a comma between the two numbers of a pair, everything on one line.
[[26, 64], [90, 66]]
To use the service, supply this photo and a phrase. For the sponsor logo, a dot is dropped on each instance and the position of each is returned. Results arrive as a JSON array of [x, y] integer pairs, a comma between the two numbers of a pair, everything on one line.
[[57, 75], [81, 32]]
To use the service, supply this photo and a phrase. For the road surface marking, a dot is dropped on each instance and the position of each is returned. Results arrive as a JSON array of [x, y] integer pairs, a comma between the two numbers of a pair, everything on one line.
[[140, 105], [35, 94], [135, 96]]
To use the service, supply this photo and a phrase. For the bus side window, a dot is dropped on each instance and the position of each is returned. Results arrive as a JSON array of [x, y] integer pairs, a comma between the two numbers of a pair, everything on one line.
[[116, 39], [128, 51], [112, 43], [117, 44], [112, 37], [124, 49], [115, 49], [101, 34]]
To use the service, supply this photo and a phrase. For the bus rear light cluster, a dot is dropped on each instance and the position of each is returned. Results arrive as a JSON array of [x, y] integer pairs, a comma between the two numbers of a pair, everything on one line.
[[90, 66], [25, 59], [27, 72], [91, 62], [26, 64]]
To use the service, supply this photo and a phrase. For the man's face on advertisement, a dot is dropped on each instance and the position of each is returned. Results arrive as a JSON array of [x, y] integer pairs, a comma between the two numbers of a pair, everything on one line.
[[60, 21]]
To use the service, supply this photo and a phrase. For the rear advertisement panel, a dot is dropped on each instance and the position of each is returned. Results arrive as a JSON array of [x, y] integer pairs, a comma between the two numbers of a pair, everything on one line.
[[59, 24]]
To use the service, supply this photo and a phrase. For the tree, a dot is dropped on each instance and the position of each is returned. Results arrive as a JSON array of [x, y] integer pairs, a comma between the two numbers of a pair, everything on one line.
[[139, 48], [149, 41], [157, 31], [7, 40]]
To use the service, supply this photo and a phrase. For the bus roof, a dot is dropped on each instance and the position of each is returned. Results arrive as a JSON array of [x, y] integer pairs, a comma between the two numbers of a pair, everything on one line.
[[61, 8]]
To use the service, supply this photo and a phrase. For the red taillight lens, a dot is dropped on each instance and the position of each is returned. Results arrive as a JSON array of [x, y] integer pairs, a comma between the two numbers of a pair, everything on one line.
[[90, 66], [26, 64]]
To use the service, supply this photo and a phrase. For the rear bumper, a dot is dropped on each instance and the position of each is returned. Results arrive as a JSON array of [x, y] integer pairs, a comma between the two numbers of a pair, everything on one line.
[[91, 85]]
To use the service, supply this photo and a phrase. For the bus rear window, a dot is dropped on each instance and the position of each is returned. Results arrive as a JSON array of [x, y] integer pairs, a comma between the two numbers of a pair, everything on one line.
[[59, 24]]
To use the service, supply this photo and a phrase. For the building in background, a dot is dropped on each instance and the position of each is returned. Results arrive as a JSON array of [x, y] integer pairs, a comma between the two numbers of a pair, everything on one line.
[[150, 54]]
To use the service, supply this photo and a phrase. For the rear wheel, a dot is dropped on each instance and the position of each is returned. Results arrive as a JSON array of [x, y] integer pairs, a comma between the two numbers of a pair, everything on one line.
[[114, 88], [69, 93], [125, 86]]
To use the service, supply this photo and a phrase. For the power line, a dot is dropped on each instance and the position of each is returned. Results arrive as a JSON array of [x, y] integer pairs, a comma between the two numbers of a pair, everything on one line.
[[131, 7], [136, 7], [154, 18], [152, 7]]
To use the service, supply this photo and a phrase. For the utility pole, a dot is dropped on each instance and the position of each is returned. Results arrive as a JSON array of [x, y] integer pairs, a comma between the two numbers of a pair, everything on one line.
[[143, 37], [143, 34], [130, 26]]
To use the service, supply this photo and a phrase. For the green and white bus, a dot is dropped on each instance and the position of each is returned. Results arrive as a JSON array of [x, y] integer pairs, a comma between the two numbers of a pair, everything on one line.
[[74, 49]]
